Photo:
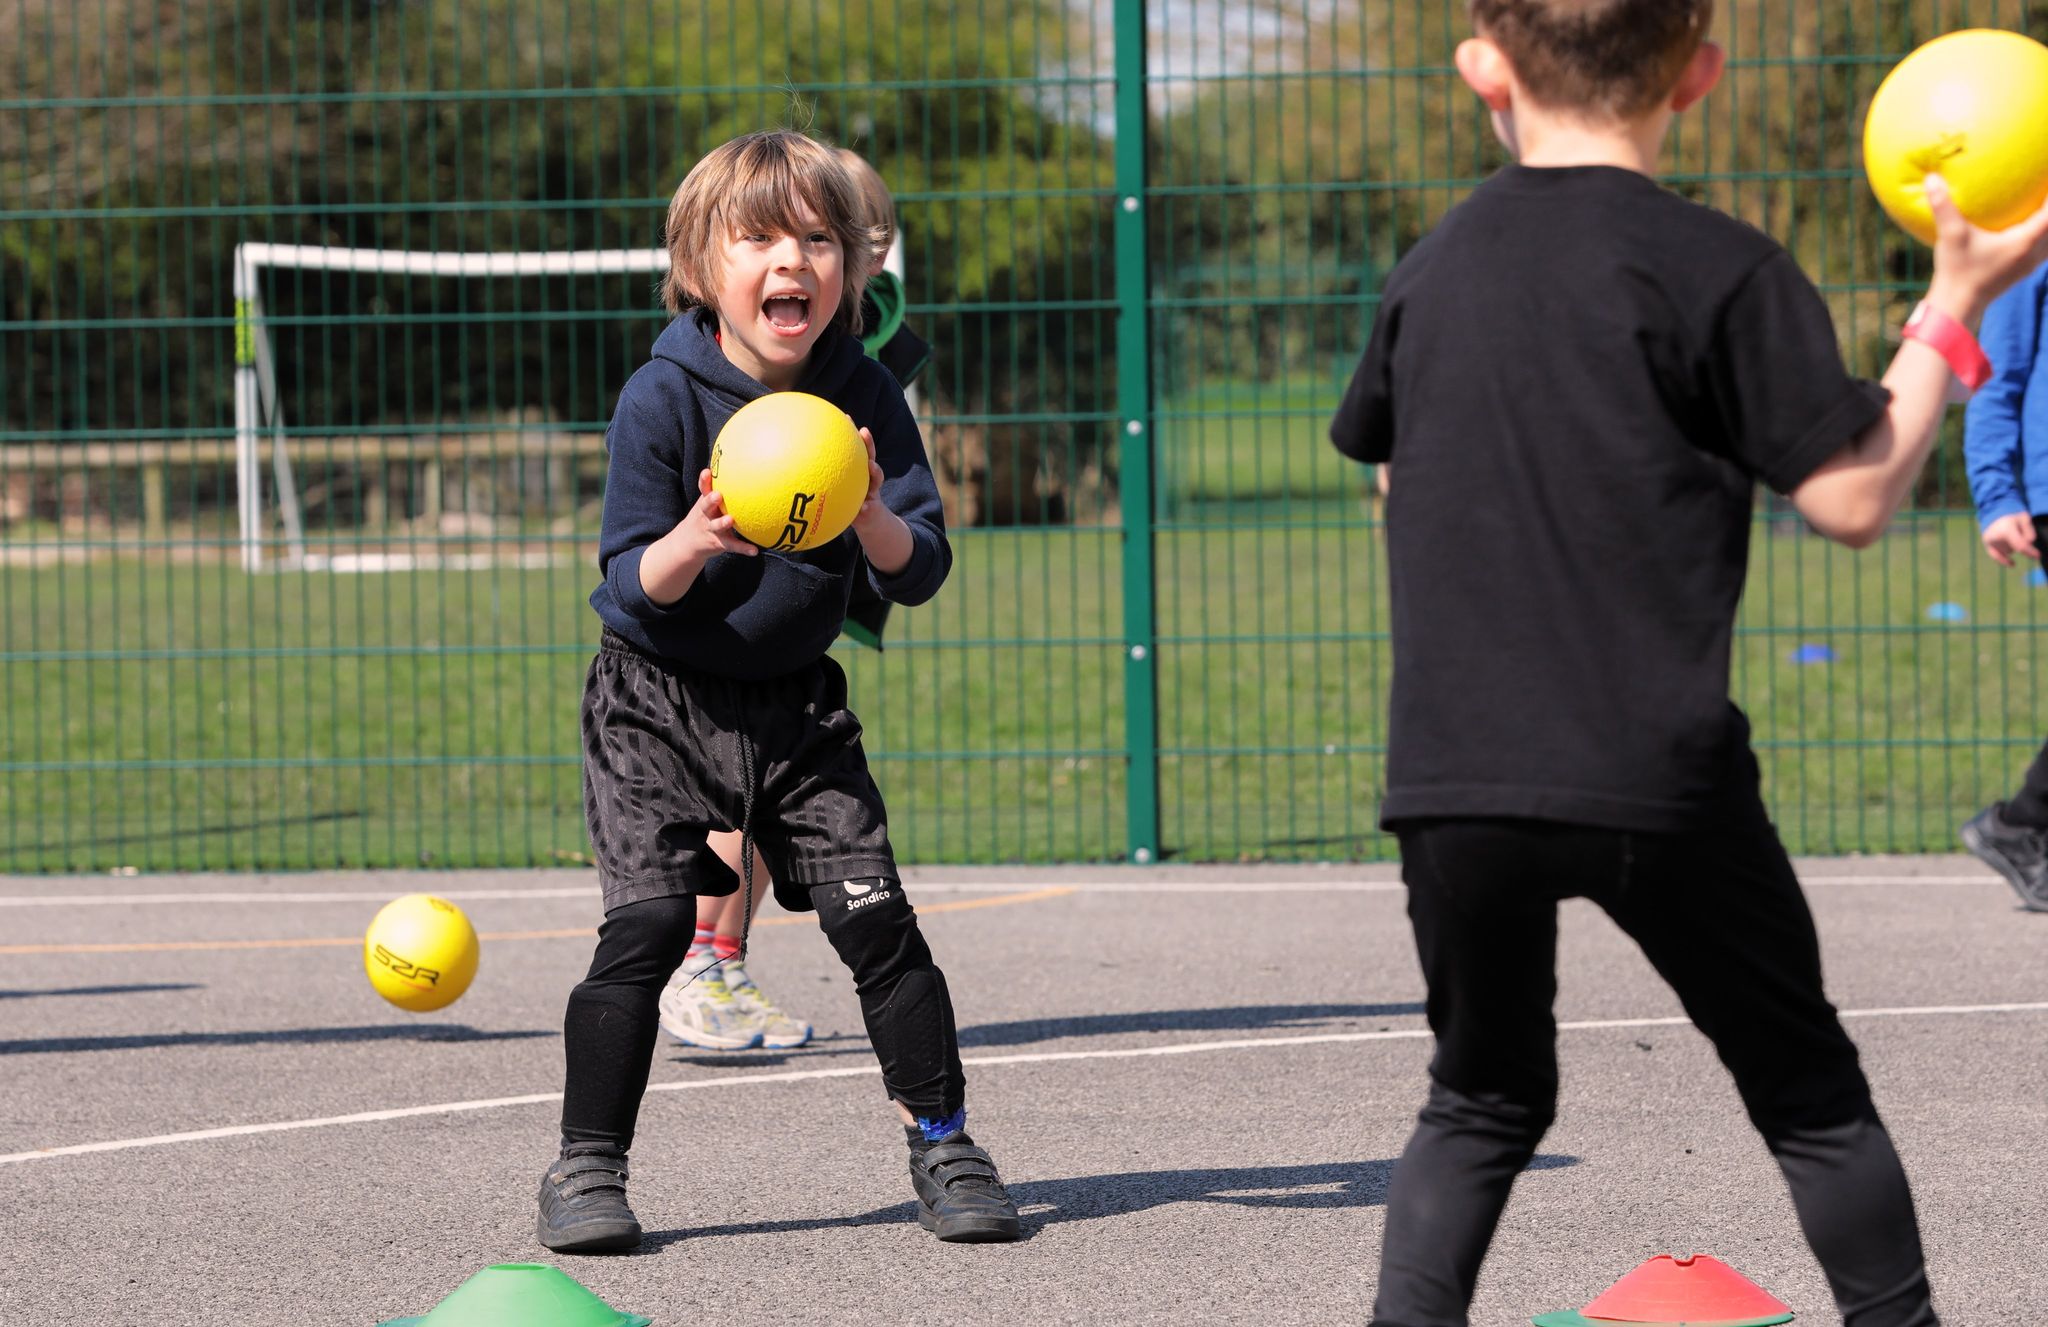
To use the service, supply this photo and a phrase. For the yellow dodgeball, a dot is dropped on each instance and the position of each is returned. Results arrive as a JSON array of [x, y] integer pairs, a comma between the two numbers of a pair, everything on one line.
[[1971, 107], [420, 952], [792, 470]]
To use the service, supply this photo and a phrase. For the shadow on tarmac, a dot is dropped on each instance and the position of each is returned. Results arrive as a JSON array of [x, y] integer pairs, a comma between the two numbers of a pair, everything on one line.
[[1093, 1197], [157, 834], [1025, 1032], [434, 1032], [1241, 1018], [838, 1043], [137, 989]]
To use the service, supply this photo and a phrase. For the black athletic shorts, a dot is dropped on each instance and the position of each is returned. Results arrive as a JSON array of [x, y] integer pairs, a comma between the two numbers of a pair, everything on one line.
[[667, 753]]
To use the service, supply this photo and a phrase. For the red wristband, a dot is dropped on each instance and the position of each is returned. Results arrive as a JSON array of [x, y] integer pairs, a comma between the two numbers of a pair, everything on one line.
[[1952, 341]]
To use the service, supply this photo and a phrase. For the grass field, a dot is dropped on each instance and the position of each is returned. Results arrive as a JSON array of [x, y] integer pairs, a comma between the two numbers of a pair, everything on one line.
[[168, 716], [166, 713]]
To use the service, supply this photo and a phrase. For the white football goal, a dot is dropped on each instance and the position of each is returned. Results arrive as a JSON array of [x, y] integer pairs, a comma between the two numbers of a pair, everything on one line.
[[271, 514], [273, 532]]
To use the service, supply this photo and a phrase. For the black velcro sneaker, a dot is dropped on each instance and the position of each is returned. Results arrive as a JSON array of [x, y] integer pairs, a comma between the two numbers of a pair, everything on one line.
[[583, 1206], [960, 1198]]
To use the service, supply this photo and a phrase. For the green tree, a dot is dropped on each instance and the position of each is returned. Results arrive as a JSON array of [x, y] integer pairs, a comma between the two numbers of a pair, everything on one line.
[[170, 134]]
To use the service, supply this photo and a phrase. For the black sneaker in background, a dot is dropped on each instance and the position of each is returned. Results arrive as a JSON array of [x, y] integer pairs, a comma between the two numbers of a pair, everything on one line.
[[960, 1198], [2017, 852], [583, 1205]]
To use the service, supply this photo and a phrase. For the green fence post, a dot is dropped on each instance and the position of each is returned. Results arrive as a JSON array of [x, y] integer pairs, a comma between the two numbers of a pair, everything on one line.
[[1134, 449]]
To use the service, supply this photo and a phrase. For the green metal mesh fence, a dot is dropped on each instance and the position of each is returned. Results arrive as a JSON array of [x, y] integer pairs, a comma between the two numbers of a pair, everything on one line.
[[1146, 242]]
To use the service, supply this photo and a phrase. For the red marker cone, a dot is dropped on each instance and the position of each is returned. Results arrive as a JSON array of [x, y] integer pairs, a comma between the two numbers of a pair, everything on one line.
[[1693, 1291]]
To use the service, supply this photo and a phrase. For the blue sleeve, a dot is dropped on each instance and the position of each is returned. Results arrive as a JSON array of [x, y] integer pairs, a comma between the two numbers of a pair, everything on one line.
[[646, 493], [909, 490], [2011, 337]]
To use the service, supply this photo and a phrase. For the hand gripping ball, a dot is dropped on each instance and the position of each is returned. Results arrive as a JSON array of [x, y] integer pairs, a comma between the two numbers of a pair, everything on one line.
[[792, 470], [420, 952], [1971, 107]]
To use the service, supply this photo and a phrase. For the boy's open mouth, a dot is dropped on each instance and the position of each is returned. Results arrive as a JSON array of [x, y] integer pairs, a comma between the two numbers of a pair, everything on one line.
[[789, 315]]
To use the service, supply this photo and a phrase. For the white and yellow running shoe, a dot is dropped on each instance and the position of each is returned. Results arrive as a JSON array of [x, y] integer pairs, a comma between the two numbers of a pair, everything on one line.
[[703, 1012], [779, 1031]]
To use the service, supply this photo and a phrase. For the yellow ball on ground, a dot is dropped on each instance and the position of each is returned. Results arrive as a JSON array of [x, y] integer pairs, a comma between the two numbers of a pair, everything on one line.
[[1971, 107], [792, 470], [420, 952]]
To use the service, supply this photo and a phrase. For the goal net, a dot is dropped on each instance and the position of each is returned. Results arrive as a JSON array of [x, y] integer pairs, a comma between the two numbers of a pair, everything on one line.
[[475, 524], [512, 488]]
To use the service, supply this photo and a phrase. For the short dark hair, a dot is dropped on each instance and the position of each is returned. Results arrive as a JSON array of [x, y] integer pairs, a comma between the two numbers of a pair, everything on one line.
[[1612, 58]]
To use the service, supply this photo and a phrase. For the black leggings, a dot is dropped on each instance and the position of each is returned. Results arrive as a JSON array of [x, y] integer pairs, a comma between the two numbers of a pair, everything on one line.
[[1721, 917], [610, 1029], [2029, 806]]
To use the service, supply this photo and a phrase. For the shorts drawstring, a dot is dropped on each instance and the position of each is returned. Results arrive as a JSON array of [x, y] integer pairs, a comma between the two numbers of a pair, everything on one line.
[[747, 781]]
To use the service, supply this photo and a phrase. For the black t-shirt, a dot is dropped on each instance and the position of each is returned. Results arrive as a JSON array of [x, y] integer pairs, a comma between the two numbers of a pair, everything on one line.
[[1576, 378]]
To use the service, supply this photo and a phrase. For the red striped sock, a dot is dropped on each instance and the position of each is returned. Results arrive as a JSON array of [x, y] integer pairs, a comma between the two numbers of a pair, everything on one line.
[[725, 946]]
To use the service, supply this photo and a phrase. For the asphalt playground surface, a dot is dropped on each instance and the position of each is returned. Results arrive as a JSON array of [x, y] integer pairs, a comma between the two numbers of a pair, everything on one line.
[[1194, 1080]]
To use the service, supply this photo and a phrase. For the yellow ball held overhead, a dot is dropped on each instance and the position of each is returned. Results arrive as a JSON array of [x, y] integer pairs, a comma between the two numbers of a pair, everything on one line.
[[420, 952], [1971, 107], [792, 470]]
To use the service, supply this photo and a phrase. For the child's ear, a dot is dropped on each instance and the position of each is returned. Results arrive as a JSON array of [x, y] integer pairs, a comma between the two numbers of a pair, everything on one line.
[[1700, 75], [1485, 69]]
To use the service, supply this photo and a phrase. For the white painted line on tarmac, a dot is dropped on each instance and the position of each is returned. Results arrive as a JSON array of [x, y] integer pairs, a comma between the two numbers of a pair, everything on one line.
[[591, 892], [915, 887], [575, 933], [1183, 887], [871, 1071], [1987, 878], [1916, 1011], [280, 1126]]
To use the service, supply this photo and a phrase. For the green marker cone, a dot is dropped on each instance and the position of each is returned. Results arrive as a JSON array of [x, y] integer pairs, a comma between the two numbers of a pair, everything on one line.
[[522, 1294]]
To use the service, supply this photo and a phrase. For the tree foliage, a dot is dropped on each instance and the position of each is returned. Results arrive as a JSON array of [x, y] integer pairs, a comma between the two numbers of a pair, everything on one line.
[[1297, 148], [171, 132]]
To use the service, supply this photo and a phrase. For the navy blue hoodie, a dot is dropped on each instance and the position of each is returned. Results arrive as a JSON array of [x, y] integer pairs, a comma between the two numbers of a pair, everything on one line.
[[763, 616]]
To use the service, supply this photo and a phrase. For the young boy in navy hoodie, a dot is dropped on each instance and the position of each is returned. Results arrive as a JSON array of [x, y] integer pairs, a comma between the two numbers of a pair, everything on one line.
[[712, 704], [713, 1002], [1589, 374]]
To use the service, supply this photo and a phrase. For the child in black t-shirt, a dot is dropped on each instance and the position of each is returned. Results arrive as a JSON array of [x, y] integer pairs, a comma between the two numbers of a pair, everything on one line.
[[1575, 381], [887, 337], [884, 333]]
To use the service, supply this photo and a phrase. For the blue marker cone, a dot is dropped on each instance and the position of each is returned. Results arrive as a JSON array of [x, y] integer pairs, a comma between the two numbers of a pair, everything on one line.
[[1947, 612], [1814, 654]]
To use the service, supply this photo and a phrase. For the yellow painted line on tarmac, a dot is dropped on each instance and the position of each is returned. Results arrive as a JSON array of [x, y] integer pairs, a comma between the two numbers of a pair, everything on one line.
[[962, 905], [175, 946], [581, 932]]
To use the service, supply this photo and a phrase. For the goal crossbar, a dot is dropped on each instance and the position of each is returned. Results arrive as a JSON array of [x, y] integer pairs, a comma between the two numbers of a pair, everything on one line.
[[257, 407], [256, 402]]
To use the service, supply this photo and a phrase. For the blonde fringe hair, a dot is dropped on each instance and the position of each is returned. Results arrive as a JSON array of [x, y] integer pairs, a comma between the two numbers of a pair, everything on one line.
[[757, 182], [880, 205]]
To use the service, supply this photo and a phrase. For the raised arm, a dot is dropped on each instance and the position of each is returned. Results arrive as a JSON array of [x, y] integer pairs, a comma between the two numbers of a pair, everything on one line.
[[1852, 497]]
